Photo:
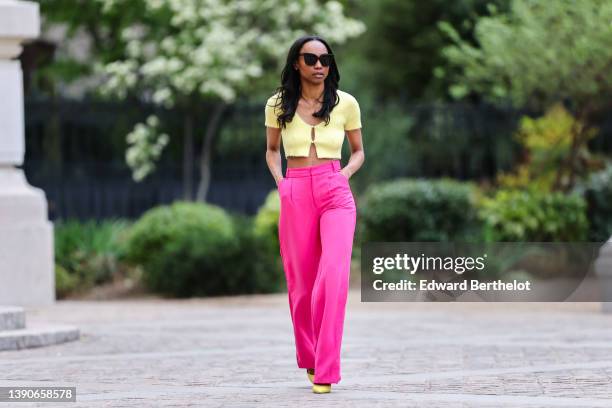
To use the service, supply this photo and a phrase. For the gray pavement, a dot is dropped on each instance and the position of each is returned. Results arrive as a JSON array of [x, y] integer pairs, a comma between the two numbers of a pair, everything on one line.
[[239, 352]]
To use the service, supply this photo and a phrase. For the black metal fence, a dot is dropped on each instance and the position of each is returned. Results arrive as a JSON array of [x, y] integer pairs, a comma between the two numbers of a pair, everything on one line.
[[75, 153]]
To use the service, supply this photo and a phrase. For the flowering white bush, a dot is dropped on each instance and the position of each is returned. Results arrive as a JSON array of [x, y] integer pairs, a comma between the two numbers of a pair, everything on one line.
[[145, 146], [213, 49]]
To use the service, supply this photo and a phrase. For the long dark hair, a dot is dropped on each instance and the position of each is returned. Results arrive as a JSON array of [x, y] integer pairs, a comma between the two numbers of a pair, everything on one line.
[[291, 87]]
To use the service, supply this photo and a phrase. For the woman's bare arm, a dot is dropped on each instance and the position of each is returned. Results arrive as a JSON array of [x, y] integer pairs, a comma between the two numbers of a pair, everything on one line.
[[357, 153], [273, 155]]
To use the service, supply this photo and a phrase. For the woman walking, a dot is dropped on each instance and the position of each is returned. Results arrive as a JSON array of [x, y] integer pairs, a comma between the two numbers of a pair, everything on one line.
[[317, 210]]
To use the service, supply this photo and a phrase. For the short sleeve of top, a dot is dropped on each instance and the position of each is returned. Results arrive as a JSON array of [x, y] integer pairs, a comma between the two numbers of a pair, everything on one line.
[[353, 114], [271, 115]]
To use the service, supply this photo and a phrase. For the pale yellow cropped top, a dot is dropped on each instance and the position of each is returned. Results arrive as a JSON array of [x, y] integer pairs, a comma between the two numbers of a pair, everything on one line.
[[296, 137]]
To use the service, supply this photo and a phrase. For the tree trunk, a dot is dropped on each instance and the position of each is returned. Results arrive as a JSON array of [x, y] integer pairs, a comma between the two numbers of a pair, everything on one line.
[[207, 148], [188, 156]]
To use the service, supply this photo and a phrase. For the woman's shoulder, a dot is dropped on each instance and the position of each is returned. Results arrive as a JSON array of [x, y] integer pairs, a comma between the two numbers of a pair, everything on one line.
[[348, 103], [345, 97], [273, 104], [272, 100]]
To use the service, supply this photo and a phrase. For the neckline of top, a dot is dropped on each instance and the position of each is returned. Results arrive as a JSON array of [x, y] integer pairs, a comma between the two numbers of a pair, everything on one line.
[[306, 123]]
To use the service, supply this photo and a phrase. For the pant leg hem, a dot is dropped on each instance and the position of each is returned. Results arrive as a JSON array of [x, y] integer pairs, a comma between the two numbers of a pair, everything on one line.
[[328, 380]]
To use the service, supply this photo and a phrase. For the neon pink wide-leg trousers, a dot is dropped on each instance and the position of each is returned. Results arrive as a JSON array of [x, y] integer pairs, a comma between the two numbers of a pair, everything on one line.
[[316, 228]]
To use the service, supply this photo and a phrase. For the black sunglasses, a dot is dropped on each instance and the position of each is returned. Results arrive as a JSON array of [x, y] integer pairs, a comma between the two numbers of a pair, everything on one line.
[[311, 59]]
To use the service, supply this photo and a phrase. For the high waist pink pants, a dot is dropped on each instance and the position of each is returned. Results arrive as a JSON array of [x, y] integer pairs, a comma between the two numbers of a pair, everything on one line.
[[316, 228]]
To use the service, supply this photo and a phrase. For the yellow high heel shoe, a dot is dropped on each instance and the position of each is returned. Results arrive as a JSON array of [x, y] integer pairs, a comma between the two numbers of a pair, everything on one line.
[[321, 388], [310, 373]]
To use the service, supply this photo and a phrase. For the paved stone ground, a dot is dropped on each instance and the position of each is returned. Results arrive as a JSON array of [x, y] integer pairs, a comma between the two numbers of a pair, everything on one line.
[[239, 352]]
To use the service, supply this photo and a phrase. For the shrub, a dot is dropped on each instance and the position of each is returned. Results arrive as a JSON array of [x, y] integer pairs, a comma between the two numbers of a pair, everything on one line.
[[259, 264], [186, 249], [266, 222], [597, 191], [419, 210], [547, 142], [265, 232], [65, 282], [87, 253], [535, 216]]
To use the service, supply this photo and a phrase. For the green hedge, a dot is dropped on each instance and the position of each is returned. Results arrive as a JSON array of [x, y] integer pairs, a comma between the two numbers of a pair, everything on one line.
[[266, 221], [259, 262], [419, 210], [196, 249], [265, 232], [597, 191], [183, 249], [535, 216]]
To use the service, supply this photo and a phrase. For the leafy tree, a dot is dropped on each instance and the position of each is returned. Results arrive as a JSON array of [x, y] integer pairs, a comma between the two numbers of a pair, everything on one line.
[[85, 19], [539, 53], [180, 53], [402, 46], [547, 141]]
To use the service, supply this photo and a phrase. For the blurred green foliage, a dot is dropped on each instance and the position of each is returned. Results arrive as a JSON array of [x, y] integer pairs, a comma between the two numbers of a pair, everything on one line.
[[547, 143], [84, 19], [419, 210], [534, 53], [533, 215], [597, 190], [183, 249], [87, 253], [398, 54], [538, 53], [195, 249]]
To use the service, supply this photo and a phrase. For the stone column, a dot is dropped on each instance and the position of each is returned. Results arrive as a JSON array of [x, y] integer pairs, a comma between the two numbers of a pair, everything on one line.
[[27, 275]]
